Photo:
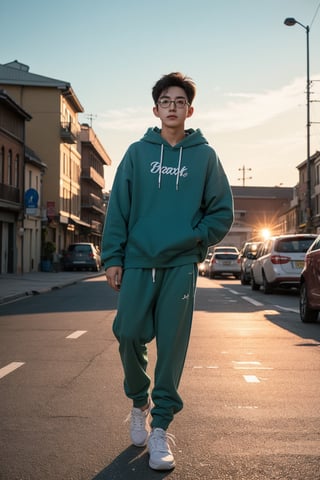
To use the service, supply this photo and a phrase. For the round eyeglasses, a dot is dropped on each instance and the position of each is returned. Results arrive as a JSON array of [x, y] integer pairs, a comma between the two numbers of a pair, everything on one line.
[[178, 102]]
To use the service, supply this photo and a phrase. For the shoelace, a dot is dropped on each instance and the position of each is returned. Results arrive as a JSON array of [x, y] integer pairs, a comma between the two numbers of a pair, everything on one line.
[[138, 420], [160, 440]]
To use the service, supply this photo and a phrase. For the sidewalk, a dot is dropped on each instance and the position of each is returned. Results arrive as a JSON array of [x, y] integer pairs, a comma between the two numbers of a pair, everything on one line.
[[13, 286]]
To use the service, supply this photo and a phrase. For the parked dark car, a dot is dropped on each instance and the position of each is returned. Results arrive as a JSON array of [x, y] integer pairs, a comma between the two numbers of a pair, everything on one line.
[[203, 267], [247, 254], [310, 284], [82, 256]]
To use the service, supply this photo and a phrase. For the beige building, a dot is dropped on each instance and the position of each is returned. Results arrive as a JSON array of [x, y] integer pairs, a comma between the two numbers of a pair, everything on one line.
[[34, 170], [54, 134]]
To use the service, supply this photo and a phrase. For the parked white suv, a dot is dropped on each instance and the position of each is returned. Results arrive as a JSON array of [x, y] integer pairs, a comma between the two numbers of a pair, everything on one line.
[[280, 261]]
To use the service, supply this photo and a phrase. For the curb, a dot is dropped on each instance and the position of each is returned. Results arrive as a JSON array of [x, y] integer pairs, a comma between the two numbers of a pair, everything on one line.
[[30, 293]]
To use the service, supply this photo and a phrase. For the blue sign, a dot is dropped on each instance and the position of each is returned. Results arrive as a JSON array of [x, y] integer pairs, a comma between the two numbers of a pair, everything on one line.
[[31, 198]]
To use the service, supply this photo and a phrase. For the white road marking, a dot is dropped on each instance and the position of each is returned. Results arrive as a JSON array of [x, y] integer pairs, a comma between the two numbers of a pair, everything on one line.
[[207, 366], [287, 309], [233, 291], [249, 366], [76, 334], [254, 302], [246, 363], [249, 407], [251, 379], [253, 368], [10, 368]]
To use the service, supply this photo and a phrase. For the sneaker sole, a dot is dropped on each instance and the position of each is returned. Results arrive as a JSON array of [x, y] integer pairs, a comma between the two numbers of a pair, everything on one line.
[[164, 466]]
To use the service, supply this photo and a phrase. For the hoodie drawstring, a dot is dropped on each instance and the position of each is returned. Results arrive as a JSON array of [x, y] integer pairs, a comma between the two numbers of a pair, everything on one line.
[[178, 170], [160, 168], [179, 165], [153, 273]]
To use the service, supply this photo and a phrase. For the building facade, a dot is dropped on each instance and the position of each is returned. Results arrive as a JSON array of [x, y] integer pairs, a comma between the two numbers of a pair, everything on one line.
[[94, 158], [12, 151], [53, 135], [34, 171], [314, 194], [258, 209], [74, 157]]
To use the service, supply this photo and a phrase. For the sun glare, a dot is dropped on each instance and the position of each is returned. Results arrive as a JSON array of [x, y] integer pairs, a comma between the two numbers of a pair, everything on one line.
[[265, 233]]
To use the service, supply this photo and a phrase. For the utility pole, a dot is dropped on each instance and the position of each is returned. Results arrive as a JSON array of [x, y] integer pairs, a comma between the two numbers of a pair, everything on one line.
[[244, 178]]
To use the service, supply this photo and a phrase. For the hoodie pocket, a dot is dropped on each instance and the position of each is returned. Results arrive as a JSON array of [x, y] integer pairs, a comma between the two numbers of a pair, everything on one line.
[[163, 237]]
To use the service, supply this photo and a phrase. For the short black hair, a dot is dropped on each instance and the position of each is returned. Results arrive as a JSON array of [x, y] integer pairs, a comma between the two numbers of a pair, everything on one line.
[[174, 79]]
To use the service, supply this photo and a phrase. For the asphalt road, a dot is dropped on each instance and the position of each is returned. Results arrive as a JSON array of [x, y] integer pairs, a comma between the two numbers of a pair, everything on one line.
[[251, 388]]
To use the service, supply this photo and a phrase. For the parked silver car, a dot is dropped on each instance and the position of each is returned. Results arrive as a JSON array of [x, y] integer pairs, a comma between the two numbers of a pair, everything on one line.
[[280, 261], [224, 263]]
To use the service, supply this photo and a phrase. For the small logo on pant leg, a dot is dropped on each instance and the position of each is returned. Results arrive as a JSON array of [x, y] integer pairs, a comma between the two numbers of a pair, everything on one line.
[[185, 296]]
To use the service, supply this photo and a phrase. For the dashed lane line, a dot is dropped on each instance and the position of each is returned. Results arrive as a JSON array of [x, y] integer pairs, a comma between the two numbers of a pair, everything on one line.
[[256, 303], [11, 367], [76, 334], [251, 379], [253, 301], [288, 309]]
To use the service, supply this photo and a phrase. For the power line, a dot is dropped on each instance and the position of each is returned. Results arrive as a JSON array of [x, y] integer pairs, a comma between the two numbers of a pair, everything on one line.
[[314, 16]]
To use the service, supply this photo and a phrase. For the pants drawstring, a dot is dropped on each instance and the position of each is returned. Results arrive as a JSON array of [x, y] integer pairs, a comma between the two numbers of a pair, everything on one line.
[[153, 273]]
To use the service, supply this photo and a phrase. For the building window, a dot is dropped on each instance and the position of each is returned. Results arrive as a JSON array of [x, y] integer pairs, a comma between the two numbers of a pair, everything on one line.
[[1, 164], [317, 174], [9, 175], [16, 171]]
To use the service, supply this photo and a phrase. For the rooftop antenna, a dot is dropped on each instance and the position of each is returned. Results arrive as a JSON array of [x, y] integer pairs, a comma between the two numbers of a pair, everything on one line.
[[91, 116]]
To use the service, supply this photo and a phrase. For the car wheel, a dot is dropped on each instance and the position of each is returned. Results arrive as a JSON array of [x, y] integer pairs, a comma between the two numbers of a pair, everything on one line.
[[254, 285], [243, 278], [307, 315], [266, 285]]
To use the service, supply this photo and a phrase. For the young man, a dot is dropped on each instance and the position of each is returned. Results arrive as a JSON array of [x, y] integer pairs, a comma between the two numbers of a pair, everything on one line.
[[170, 201]]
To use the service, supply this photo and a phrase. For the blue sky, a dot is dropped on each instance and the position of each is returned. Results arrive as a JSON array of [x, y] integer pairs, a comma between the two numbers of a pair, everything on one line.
[[250, 71]]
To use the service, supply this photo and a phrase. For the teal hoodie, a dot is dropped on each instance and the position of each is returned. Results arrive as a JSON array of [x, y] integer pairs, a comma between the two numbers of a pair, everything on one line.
[[167, 204]]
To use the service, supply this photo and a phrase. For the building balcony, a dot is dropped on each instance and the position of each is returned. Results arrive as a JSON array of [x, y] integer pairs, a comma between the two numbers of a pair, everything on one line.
[[93, 202], [89, 173], [68, 132], [9, 193], [96, 227]]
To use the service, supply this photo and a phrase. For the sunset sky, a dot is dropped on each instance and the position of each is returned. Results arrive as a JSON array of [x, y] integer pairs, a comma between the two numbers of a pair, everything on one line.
[[249, 68]]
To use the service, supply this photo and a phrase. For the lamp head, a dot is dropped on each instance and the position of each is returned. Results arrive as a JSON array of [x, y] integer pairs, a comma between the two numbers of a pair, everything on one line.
[[290, 21]]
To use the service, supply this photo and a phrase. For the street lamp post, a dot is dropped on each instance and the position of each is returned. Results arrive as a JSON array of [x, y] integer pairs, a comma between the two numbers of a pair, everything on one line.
[[290, 22]]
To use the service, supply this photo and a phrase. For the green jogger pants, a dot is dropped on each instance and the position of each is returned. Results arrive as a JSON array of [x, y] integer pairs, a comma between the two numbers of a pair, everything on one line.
[[155, 303]]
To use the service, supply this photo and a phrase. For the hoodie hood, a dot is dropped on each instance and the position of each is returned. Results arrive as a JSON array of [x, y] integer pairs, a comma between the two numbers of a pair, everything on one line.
[[192, 138]]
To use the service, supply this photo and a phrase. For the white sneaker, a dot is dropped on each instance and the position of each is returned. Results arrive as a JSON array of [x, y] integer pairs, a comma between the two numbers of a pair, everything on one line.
[[140, 426], [161, 457]]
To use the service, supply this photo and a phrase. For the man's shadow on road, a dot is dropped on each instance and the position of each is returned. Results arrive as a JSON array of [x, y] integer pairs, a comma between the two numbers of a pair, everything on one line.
[[131, 464]]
